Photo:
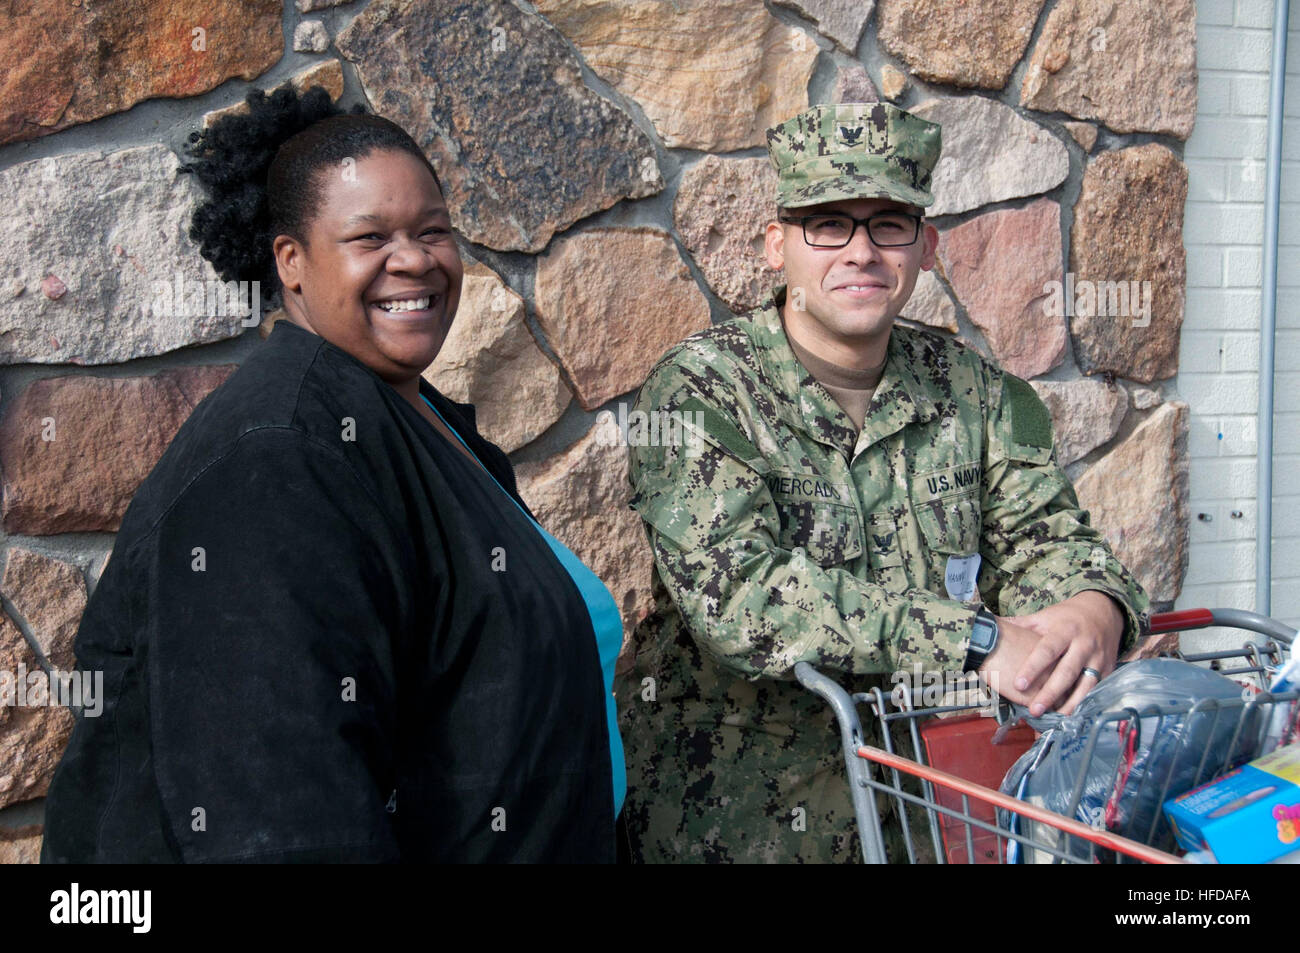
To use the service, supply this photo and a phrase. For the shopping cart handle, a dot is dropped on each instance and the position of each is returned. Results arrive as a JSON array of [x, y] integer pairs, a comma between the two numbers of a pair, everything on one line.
[[1232, 618], [841, 702]]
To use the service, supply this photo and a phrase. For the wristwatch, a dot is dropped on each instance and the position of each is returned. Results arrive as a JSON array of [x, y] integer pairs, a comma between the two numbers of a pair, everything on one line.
[[983, 640]]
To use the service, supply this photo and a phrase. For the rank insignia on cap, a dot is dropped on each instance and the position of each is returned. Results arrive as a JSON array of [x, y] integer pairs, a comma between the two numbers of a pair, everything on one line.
[[851, 137]]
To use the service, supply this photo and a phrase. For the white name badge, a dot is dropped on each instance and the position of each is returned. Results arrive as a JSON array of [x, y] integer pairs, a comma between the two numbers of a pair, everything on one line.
[[961, 576]]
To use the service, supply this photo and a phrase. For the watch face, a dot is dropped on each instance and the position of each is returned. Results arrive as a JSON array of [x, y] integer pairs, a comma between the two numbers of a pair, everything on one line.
[[982, 634]]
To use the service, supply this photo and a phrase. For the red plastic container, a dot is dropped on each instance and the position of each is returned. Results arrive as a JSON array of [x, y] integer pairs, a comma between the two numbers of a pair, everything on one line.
[[964, 746]]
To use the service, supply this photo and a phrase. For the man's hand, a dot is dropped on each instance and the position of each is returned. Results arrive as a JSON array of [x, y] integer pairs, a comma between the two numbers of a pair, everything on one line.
[[1016, 643], [1084, 630]]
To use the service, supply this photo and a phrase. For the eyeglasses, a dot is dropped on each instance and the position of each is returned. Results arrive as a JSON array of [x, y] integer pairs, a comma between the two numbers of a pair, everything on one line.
[[885, 229]]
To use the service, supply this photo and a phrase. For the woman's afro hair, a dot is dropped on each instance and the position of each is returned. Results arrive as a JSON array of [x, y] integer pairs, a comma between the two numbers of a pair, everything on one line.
[[260, 169]]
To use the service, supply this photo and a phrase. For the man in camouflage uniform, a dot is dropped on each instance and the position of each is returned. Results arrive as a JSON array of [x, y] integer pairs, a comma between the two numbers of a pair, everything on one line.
[[785, 530]]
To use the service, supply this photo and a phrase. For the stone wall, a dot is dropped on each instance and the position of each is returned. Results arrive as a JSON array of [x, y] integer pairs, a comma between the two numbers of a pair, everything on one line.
[[605, 167]]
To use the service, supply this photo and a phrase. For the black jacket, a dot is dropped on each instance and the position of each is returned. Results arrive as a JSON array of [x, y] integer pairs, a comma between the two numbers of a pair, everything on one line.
[[326, 636]]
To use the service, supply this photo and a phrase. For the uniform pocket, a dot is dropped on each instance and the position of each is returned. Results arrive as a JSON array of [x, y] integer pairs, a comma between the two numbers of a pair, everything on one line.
[[830, 533], [951, 526]]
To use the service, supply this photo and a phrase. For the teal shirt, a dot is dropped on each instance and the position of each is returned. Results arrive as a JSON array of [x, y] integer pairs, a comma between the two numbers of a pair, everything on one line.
[[605, 622]]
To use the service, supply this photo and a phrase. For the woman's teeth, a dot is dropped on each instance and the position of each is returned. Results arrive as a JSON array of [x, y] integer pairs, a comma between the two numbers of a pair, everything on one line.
[[414, 304]]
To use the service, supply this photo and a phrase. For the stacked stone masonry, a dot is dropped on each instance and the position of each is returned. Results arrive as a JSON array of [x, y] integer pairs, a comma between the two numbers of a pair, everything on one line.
[[603, 163]]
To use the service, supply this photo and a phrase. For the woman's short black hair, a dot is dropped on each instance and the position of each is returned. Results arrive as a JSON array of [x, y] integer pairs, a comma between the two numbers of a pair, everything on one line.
[[261, 170]]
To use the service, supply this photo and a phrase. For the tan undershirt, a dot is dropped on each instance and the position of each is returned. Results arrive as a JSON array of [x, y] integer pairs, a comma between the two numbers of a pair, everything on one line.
[[851, 388]]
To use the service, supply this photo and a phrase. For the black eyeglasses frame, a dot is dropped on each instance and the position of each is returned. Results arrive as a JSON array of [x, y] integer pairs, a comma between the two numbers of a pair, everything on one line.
[[802, 222]]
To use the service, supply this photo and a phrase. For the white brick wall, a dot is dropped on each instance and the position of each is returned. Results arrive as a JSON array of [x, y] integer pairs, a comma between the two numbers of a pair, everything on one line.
[[1219, 360]]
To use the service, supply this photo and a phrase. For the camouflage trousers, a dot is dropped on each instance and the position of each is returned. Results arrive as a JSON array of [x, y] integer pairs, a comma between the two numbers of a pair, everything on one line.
[[755, 793]]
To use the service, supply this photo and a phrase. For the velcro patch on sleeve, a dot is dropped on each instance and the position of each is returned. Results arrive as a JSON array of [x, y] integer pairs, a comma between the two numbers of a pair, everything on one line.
[[1031, 424], [722, 433]]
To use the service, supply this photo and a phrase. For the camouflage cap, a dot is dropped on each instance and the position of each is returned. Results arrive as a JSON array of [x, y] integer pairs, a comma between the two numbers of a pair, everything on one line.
[[853, 151]]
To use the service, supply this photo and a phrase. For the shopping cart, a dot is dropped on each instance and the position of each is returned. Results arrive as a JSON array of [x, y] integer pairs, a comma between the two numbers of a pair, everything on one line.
[[959, 757]]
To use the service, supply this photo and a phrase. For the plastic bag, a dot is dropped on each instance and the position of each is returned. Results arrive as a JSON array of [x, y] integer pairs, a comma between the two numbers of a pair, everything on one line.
[[1282, 726], [1126, 775]]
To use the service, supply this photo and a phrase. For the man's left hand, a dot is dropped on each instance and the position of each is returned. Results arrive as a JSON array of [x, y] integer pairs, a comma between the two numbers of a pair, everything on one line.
[[1083, 631]]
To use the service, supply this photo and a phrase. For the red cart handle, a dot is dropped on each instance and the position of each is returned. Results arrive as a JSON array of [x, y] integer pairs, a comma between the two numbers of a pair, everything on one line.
[[1183, 619], [1229, 618]]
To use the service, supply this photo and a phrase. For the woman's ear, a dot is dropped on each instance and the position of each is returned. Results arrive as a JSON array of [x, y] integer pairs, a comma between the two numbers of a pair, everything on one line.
[[288, 262]]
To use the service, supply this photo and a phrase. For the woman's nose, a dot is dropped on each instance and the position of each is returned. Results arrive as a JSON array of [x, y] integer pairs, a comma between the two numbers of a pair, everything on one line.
[[410, 255]]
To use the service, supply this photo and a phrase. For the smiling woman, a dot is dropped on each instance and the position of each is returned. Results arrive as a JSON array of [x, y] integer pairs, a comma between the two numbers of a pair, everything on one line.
[[330, 629], [377, 272]]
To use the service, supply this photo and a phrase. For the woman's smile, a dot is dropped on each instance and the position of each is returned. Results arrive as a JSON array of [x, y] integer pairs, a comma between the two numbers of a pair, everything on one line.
[[410, 309]]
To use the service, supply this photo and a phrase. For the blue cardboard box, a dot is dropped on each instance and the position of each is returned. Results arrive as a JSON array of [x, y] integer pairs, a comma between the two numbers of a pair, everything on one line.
[[1249, 816]]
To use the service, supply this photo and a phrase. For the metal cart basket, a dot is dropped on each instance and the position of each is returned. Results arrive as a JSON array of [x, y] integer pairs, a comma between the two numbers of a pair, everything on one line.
[[947, 781]]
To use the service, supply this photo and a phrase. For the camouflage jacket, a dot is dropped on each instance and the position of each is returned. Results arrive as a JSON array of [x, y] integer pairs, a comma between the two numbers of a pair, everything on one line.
[[780, 534]]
